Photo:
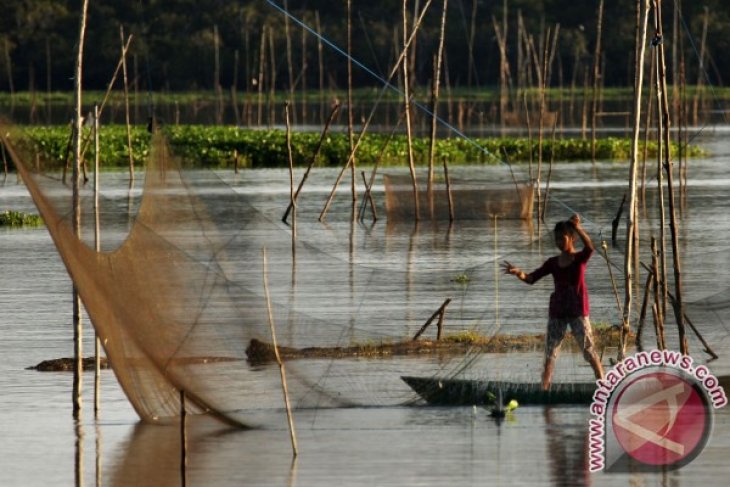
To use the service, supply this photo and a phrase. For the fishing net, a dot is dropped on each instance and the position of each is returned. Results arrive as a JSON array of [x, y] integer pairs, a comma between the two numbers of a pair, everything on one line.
[[470, 200], [177, 298]]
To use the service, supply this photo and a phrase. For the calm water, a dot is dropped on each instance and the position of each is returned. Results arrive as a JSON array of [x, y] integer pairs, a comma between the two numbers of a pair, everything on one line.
[[393, 445]]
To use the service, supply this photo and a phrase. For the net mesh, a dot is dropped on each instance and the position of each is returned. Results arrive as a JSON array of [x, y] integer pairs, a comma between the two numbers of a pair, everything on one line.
[[179, 301], [470, 200]]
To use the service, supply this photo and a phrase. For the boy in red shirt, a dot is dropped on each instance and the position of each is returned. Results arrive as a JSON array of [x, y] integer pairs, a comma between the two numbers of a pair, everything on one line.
[[569, 306]]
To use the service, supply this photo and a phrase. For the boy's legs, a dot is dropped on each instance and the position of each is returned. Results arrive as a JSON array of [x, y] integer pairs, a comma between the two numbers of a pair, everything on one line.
[[553, 338], [583, 333]]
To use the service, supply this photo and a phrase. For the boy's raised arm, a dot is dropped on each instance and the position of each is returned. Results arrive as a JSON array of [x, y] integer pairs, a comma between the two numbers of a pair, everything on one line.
[[584, 237]]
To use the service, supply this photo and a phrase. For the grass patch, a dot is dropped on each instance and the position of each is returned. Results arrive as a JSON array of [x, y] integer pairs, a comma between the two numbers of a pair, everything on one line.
[[11, 218], [213, 146]]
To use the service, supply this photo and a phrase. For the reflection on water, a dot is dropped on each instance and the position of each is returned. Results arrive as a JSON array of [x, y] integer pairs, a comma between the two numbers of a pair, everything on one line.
[[349, 446]]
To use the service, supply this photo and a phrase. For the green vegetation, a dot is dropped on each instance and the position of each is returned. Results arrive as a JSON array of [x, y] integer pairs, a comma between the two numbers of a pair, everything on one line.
[[213, 146], [10, 218]]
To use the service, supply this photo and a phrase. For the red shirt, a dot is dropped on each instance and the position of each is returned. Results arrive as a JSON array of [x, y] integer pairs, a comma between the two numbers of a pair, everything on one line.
[[570, 298]]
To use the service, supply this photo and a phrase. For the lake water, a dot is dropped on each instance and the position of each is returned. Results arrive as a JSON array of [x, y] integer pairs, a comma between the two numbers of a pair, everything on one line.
[[392, 445]]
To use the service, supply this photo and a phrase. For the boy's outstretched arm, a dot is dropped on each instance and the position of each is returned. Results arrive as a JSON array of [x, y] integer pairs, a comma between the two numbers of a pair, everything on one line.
[[510, 269], [584, 237]]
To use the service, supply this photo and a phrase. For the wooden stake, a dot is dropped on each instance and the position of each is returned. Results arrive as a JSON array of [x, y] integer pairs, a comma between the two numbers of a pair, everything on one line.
[[282, 371], [97, 247], [604, 246], [313, 159], [596, 79], [448, 190], [262, 70], [642, 313], [289, 62], [439, 312], [183, 440], [366, 125], [658, 315], [292, 197], [78, 124], [630, 256], [126, 106], [407, 102], [677, 305], [435, 85], [350, 108]]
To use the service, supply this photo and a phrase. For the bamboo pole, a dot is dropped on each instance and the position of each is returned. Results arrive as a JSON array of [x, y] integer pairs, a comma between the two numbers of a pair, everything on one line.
[[303, 76], [126, 105], [596, 79], [292, 197], [9, 71], [289, 62], [183, 440], [658, 316], [435, 85], [312, 160], [407, 108], [395, 69], [642, 313], [677, 305], [350, 108], [701, 68], [78, 124], [604, 246], [48, 81], [282, 370], [550, 169], [272, 80], [320, 63], [217, 76], [630, 256], [448, 190], [262, 70], [369, 185], [97, 247], [660, 182]]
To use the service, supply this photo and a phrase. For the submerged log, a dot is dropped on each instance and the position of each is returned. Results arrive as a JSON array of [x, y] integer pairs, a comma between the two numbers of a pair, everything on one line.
[[259, 352]]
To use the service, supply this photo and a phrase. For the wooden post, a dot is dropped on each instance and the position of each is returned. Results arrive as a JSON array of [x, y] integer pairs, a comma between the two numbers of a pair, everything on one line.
[[438, 312], [78, 124], [351, 111], [289, 62], [369, 185], [596, 79], [282, 371], [97, 247], [368, 198], [617, 220], [631, 220], [677, 305], [126, 105], [320, 63], [642, 313], [550, 168], [407, 108], [183, 440], [658, 315], [260, 81], [448, 190], [292, 197], [604, 246], [217, 76], [313, 159], [435, 85], [395, 69]]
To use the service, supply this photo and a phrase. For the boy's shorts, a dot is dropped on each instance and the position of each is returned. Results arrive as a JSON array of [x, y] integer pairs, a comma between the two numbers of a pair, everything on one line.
[[580, 326]]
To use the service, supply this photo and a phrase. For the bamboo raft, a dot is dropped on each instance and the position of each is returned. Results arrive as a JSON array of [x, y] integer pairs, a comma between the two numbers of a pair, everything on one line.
[[464, 392]]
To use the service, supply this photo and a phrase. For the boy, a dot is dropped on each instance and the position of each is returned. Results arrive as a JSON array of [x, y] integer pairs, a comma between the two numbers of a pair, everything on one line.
[[569, 304]]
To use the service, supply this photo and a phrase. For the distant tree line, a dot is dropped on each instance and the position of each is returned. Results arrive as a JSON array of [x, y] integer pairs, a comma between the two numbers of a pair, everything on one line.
[[175, 41]]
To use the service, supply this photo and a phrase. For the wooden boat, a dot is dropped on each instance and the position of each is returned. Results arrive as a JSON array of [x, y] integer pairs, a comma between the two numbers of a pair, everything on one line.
[[465, 392]]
